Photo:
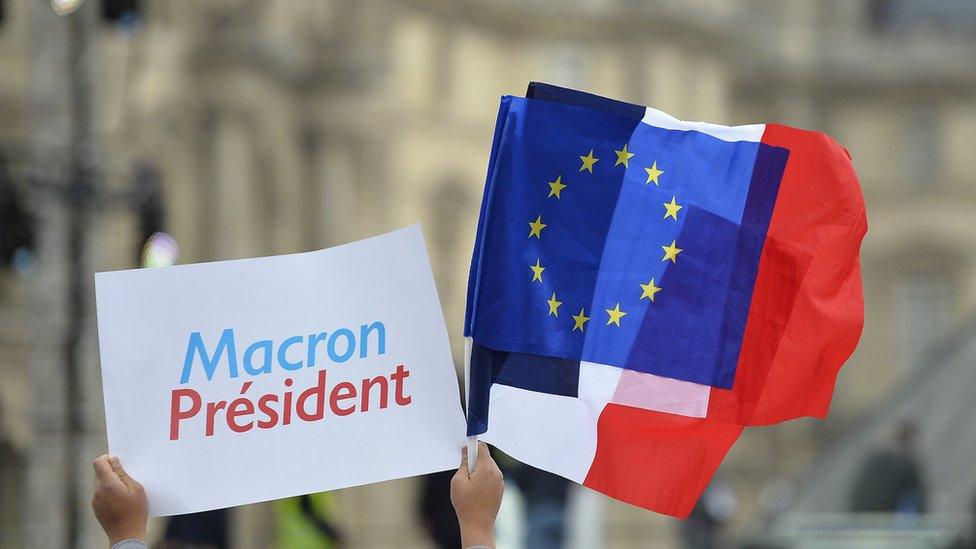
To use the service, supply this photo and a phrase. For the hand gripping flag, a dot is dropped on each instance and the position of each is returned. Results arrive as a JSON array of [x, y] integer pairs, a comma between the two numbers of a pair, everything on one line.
[[642, 288]]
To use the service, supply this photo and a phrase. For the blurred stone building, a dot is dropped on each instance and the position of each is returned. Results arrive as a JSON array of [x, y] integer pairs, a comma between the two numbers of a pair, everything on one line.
[[278, 127]]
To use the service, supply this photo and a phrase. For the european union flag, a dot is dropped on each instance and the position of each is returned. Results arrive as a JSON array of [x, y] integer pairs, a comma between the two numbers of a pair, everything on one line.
[[607, 237], [630, 266]]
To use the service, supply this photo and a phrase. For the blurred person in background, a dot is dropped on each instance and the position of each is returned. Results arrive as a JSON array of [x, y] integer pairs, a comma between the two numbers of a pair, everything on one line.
[[435, 510], [16, 224], [891, 480], [703, 527], [545, 497], [205, 530], [306, 522]]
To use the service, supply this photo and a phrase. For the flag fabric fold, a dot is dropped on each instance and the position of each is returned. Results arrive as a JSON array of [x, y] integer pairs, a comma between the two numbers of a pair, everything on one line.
[[641, 288]]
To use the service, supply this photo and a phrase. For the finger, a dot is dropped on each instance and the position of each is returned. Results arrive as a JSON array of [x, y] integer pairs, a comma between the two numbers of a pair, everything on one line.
[[128, 481], [104, 474], [464, 460]]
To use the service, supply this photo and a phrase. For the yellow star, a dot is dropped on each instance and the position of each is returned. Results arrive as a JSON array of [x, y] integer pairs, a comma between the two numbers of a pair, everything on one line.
[[537, 271], [671, 252], [553, 305], [672, 208], [653, 173], [649, 290], [579, 320], [623, 155], [588, 161], [615, 315], [536, 228], [555, 187]]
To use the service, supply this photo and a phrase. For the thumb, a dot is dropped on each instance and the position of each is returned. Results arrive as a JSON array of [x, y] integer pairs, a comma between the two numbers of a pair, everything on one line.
[[484, 456], [130, 483]]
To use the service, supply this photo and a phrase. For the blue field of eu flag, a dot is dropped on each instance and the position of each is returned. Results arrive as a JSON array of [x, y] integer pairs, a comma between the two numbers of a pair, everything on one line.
[[609, 240]]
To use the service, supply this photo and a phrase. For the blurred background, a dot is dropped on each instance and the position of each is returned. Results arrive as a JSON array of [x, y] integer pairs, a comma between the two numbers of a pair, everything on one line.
[[143, 132]]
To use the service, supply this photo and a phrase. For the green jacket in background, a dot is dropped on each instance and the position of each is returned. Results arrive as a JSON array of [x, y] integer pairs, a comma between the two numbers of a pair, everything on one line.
[[307, 522]]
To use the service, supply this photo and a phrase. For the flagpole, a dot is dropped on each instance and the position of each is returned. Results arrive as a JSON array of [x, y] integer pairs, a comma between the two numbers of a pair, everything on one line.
[[472, 440]]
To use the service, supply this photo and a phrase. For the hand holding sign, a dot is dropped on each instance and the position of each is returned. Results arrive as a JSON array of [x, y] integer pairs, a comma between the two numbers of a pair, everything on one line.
[[240, 381], [119, 501]]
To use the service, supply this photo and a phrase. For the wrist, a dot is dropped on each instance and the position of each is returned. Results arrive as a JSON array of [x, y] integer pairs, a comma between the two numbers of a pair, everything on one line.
[[127, 533], [474, 536]]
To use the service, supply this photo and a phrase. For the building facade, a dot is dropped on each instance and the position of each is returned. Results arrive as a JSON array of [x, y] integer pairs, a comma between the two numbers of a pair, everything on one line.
[[279, 127]]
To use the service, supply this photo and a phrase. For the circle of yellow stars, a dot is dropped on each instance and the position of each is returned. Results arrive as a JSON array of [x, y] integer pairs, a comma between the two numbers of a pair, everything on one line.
[[648, 290]]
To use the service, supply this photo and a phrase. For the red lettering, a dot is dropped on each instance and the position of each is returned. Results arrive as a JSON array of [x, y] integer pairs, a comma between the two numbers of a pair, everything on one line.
[[367, 385], [212, 409], [268, 411], [177, 413], [317, 391], [240, 407], [398, 377], [286, 408], [342, 391]]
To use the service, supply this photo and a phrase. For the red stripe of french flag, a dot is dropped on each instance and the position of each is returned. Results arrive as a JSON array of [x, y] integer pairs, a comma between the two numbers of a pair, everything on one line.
[[801, 329]]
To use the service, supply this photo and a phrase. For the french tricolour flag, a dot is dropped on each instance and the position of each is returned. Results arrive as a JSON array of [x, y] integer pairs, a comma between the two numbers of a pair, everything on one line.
[[642, 288]]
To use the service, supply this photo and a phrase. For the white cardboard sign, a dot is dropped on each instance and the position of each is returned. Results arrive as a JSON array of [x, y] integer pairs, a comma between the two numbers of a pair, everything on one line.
[[241, 381]]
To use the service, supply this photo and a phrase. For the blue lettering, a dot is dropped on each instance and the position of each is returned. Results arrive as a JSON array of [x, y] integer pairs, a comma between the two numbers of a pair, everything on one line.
[[350, 345], [340, 346], [313, 339], [283, 350], [195, 346], [265, 368], [364, 332]]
